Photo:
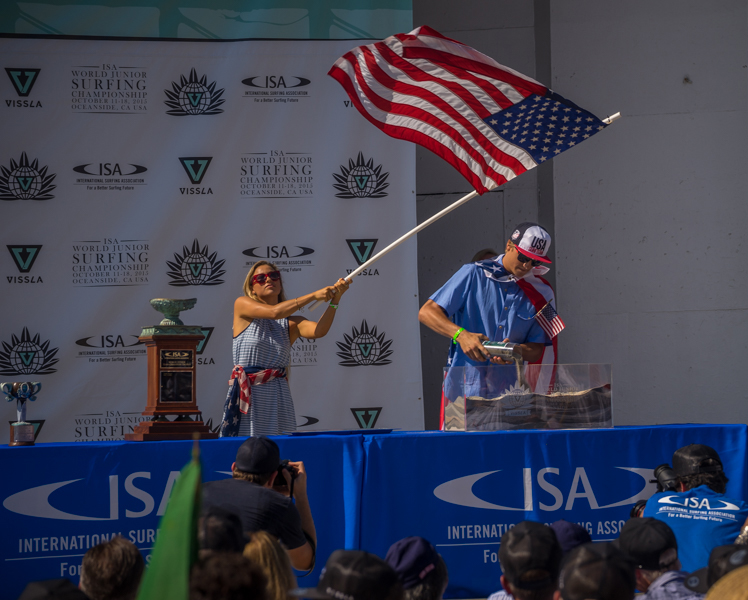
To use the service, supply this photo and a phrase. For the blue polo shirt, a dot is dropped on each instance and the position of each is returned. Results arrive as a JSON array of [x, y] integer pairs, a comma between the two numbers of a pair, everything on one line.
[[481, 304], [701, 519]]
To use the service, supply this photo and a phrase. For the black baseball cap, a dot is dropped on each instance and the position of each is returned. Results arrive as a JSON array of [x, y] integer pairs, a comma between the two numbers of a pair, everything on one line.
[[532, 240], [649, 542], [258, 455], [352, 575], [696, 458], [412, 558], [570, 535], [597, 571], [722, 560], [530, 546]]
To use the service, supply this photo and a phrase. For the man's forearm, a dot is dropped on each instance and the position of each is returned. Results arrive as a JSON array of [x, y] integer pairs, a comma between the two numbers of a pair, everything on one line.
[[305, 512]]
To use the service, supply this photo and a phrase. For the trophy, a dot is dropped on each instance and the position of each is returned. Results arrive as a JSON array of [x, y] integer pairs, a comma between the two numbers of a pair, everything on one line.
[[171, 347], [21, 432]]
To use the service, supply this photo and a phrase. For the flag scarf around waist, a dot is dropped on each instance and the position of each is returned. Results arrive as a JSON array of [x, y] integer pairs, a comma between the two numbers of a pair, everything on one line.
[[239, 400], [488, 121]]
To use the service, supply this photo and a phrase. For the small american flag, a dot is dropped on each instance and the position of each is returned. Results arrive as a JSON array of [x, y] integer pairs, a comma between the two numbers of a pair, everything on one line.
[[550, 321], [488, 121]]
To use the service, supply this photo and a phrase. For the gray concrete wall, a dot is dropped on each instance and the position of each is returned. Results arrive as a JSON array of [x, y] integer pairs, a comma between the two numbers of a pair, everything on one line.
[[649, 217]]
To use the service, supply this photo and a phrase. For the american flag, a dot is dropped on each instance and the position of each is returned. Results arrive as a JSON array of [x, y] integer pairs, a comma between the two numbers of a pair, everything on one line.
[[488, 121], [549, 320]]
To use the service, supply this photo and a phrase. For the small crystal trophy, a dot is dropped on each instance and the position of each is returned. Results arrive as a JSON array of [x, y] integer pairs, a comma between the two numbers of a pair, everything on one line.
[[21, 432]]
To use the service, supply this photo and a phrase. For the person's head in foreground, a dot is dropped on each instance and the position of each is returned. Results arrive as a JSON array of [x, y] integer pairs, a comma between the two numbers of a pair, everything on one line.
[[570, 535], [652, 546], [597, 571], [722, 560], [112, 570], [422, 572], [219, 530], [257, 461], [697, 464], [227, 576], [733, 586], [530, 558], [354, 575], [52, 589], [267, 552]]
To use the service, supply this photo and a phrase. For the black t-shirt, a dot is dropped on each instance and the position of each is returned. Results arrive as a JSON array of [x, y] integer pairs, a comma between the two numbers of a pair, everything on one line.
[[259, 508]]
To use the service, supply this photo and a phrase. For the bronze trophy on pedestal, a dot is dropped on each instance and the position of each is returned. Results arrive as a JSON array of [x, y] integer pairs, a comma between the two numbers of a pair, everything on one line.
[[171, 347]]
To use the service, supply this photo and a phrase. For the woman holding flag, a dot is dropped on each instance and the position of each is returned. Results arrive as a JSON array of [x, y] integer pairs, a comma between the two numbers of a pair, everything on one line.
[[259, 400]]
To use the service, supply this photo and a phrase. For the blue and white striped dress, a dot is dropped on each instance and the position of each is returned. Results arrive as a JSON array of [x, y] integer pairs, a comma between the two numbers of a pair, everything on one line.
[[266, 344]]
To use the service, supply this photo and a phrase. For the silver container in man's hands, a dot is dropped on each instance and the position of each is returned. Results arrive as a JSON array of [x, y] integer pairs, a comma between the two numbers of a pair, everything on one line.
[[505, 350]]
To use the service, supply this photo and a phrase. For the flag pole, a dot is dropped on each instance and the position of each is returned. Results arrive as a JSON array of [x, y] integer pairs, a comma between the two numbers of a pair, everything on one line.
[[426, 223], [400, 240]]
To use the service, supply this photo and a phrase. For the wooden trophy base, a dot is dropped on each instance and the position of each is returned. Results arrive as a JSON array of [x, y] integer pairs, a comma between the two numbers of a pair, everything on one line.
[[21, 434], [159, 431]]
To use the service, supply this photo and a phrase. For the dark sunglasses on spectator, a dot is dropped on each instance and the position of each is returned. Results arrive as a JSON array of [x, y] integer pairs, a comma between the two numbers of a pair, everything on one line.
[[261, 278], [523, 258]]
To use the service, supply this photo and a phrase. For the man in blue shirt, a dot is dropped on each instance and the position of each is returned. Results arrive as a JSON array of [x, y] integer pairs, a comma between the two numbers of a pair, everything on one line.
[[700, 514], [483, 301]]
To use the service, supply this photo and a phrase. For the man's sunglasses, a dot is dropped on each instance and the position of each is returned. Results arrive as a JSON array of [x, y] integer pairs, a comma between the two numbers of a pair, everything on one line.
[[524, 259], [261, 278]]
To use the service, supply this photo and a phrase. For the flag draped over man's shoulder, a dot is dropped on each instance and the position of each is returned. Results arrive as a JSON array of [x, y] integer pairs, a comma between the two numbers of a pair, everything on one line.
[[488, 121], [168, 574]]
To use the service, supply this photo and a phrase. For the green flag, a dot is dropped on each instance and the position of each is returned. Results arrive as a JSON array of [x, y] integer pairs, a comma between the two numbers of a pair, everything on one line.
[[175, 551]]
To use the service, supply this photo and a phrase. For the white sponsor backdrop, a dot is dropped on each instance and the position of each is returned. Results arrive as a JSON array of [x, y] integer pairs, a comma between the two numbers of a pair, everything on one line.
[[125, 204]]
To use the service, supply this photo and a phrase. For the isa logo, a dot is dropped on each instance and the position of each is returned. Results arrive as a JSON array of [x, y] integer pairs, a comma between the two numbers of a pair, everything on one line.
[[27, 356], [361, 179]]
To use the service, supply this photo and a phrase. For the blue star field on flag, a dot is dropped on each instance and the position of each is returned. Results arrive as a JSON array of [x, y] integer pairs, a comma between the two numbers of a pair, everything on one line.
[[544, 126]]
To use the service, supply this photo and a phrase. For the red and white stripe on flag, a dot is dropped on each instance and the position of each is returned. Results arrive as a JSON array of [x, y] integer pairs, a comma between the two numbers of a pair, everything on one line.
[[437, 92], [549, 320]]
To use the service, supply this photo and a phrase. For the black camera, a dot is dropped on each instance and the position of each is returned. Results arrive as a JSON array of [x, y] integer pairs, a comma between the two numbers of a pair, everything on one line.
[[665, 478], [280, 480]]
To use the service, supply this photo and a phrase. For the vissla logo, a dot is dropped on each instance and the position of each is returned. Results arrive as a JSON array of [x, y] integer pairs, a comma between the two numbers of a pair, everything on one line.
[[24, 181], [27, 356], [364, 348], [195, 267], [24, 256], [361, 179], [23, 80], [194, 96], [362, 249], [207, 332], [196, 167], [278, 251], [366, 417], [275, 81]]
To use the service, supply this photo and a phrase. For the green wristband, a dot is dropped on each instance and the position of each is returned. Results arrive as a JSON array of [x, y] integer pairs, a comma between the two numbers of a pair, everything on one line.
[[335, 306], [458, 332]]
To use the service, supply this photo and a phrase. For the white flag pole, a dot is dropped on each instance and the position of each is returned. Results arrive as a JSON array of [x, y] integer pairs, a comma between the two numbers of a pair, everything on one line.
[[400, 240]]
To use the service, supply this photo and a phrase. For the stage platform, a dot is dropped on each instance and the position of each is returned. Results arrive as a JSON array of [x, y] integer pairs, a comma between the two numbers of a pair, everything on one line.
[[459, 490]]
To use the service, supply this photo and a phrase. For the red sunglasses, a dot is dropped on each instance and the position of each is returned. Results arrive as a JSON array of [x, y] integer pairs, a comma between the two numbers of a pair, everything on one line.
[[261, 278]]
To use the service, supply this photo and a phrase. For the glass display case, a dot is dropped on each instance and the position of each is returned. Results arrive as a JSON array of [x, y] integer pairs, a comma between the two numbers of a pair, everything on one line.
[[506, 397]]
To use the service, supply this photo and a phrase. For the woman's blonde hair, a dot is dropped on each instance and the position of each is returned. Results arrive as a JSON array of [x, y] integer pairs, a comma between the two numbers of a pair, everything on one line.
[[267, 552], [248, 281]]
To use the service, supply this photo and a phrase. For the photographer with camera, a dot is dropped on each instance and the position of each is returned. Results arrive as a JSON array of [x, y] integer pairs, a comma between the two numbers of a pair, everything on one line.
[[262, 492], [691, 500]]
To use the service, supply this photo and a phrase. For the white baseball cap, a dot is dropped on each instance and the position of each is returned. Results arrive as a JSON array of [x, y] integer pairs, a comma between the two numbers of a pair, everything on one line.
[[532, 241]]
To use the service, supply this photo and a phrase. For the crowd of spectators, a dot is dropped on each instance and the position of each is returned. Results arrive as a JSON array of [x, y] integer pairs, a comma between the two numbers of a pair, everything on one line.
[[244, 550]]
